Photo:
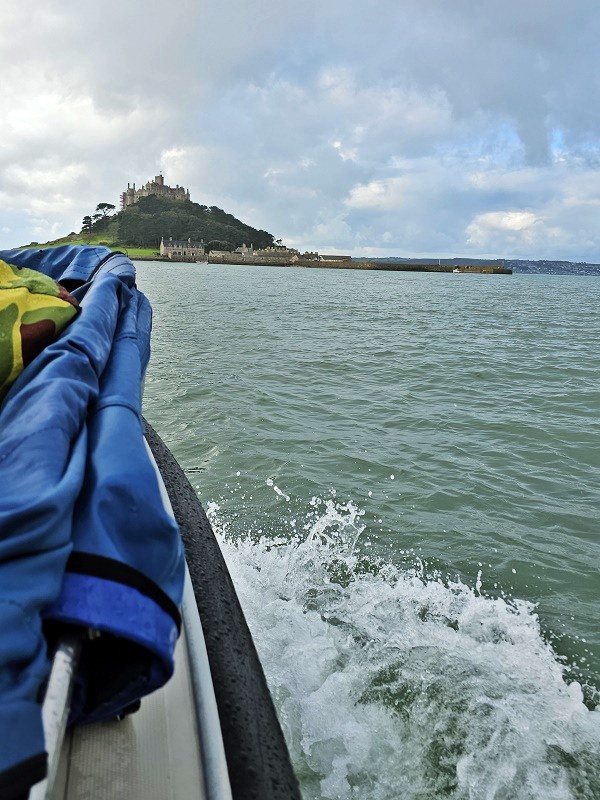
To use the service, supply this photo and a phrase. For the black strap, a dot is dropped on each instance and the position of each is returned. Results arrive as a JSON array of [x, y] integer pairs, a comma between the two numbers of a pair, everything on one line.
[[117, 571]]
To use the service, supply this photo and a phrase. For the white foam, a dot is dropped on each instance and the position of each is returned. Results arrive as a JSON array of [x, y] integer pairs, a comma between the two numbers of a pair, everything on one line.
[[277, 490], [394, 684]]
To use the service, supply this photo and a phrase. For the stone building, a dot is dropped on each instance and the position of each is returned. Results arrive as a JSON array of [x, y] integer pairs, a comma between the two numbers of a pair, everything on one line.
[[181, 248], [157, 187], [276, 252]]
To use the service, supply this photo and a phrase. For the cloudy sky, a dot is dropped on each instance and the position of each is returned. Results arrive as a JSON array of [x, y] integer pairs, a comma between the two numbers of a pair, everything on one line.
[[371, 127]]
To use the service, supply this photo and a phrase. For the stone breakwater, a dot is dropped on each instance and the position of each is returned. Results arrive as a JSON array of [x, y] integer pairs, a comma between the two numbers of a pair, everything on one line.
[[236, 260], [479, 269]]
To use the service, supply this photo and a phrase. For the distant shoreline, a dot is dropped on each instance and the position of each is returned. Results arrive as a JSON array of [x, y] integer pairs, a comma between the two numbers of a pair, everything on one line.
[[399, 264]]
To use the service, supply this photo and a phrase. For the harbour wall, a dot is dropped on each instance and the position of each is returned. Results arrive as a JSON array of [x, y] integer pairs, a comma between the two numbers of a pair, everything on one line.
[[387, 266], [478, 269]]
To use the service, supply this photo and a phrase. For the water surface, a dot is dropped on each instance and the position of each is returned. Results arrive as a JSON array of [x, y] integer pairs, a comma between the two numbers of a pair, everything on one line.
[[405, 471]]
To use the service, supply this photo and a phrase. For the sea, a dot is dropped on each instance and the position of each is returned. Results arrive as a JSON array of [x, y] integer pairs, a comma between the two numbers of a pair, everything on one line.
[[403, 472]]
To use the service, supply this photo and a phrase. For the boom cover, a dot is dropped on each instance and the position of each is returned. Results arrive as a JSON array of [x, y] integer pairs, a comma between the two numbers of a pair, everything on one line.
[[85, 538]]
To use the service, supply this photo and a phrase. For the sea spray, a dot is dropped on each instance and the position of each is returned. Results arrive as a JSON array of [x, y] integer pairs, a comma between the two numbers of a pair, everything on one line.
[[395, 682]]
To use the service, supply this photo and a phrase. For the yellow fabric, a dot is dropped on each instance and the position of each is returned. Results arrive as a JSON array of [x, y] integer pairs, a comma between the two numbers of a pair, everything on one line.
[[31, 305]]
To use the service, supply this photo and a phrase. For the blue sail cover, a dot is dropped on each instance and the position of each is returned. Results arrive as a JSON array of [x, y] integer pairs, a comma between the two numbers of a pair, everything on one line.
[[85, 538]]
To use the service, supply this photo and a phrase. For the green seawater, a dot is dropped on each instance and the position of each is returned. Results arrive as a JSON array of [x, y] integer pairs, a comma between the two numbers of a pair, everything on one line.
[[404, 472]]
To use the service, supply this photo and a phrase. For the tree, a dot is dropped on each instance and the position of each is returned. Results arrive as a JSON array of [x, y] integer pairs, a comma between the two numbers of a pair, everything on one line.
[[217, 244], [86, 226], [143, 224], [104, 208]]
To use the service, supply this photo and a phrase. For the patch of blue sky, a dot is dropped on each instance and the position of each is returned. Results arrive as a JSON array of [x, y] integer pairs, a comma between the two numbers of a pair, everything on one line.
[[491, 145], [580, 147]]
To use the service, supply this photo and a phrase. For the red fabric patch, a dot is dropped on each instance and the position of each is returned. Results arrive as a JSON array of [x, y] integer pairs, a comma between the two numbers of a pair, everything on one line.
[[64, 295], [35, 337]]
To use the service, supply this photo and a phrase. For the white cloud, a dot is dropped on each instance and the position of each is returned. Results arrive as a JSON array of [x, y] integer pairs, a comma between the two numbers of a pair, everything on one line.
[[345, 153], [391, 193], [521, 222], [515, 229], [334, 233], [509, 220]]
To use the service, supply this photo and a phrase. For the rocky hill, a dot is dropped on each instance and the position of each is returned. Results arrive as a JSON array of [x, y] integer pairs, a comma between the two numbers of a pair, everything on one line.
[[138, 229], [143, 225]]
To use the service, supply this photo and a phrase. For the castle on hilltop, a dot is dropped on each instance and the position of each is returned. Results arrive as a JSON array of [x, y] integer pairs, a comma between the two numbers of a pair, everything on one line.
[[157, 187]]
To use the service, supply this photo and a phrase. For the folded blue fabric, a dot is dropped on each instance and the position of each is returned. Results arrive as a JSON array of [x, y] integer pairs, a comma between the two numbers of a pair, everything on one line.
[[85, 538]]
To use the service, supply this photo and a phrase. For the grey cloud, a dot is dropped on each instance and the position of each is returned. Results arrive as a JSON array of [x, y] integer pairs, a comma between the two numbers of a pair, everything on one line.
[[289, 113]]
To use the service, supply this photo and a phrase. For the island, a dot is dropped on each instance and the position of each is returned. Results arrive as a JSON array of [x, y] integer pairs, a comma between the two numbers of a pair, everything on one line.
[[157, 222]]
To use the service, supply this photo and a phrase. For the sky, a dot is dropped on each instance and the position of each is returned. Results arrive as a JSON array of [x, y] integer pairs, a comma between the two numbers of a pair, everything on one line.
[[367, 127]]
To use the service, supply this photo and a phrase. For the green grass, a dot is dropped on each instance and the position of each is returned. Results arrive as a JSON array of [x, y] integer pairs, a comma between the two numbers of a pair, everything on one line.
[[136, 252], [98, 241]]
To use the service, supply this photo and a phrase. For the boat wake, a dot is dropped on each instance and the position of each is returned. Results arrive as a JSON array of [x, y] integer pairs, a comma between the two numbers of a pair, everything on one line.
[[394, 682]]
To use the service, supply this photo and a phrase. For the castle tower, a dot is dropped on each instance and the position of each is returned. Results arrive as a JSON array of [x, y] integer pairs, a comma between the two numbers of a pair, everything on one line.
[[154, 187]]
